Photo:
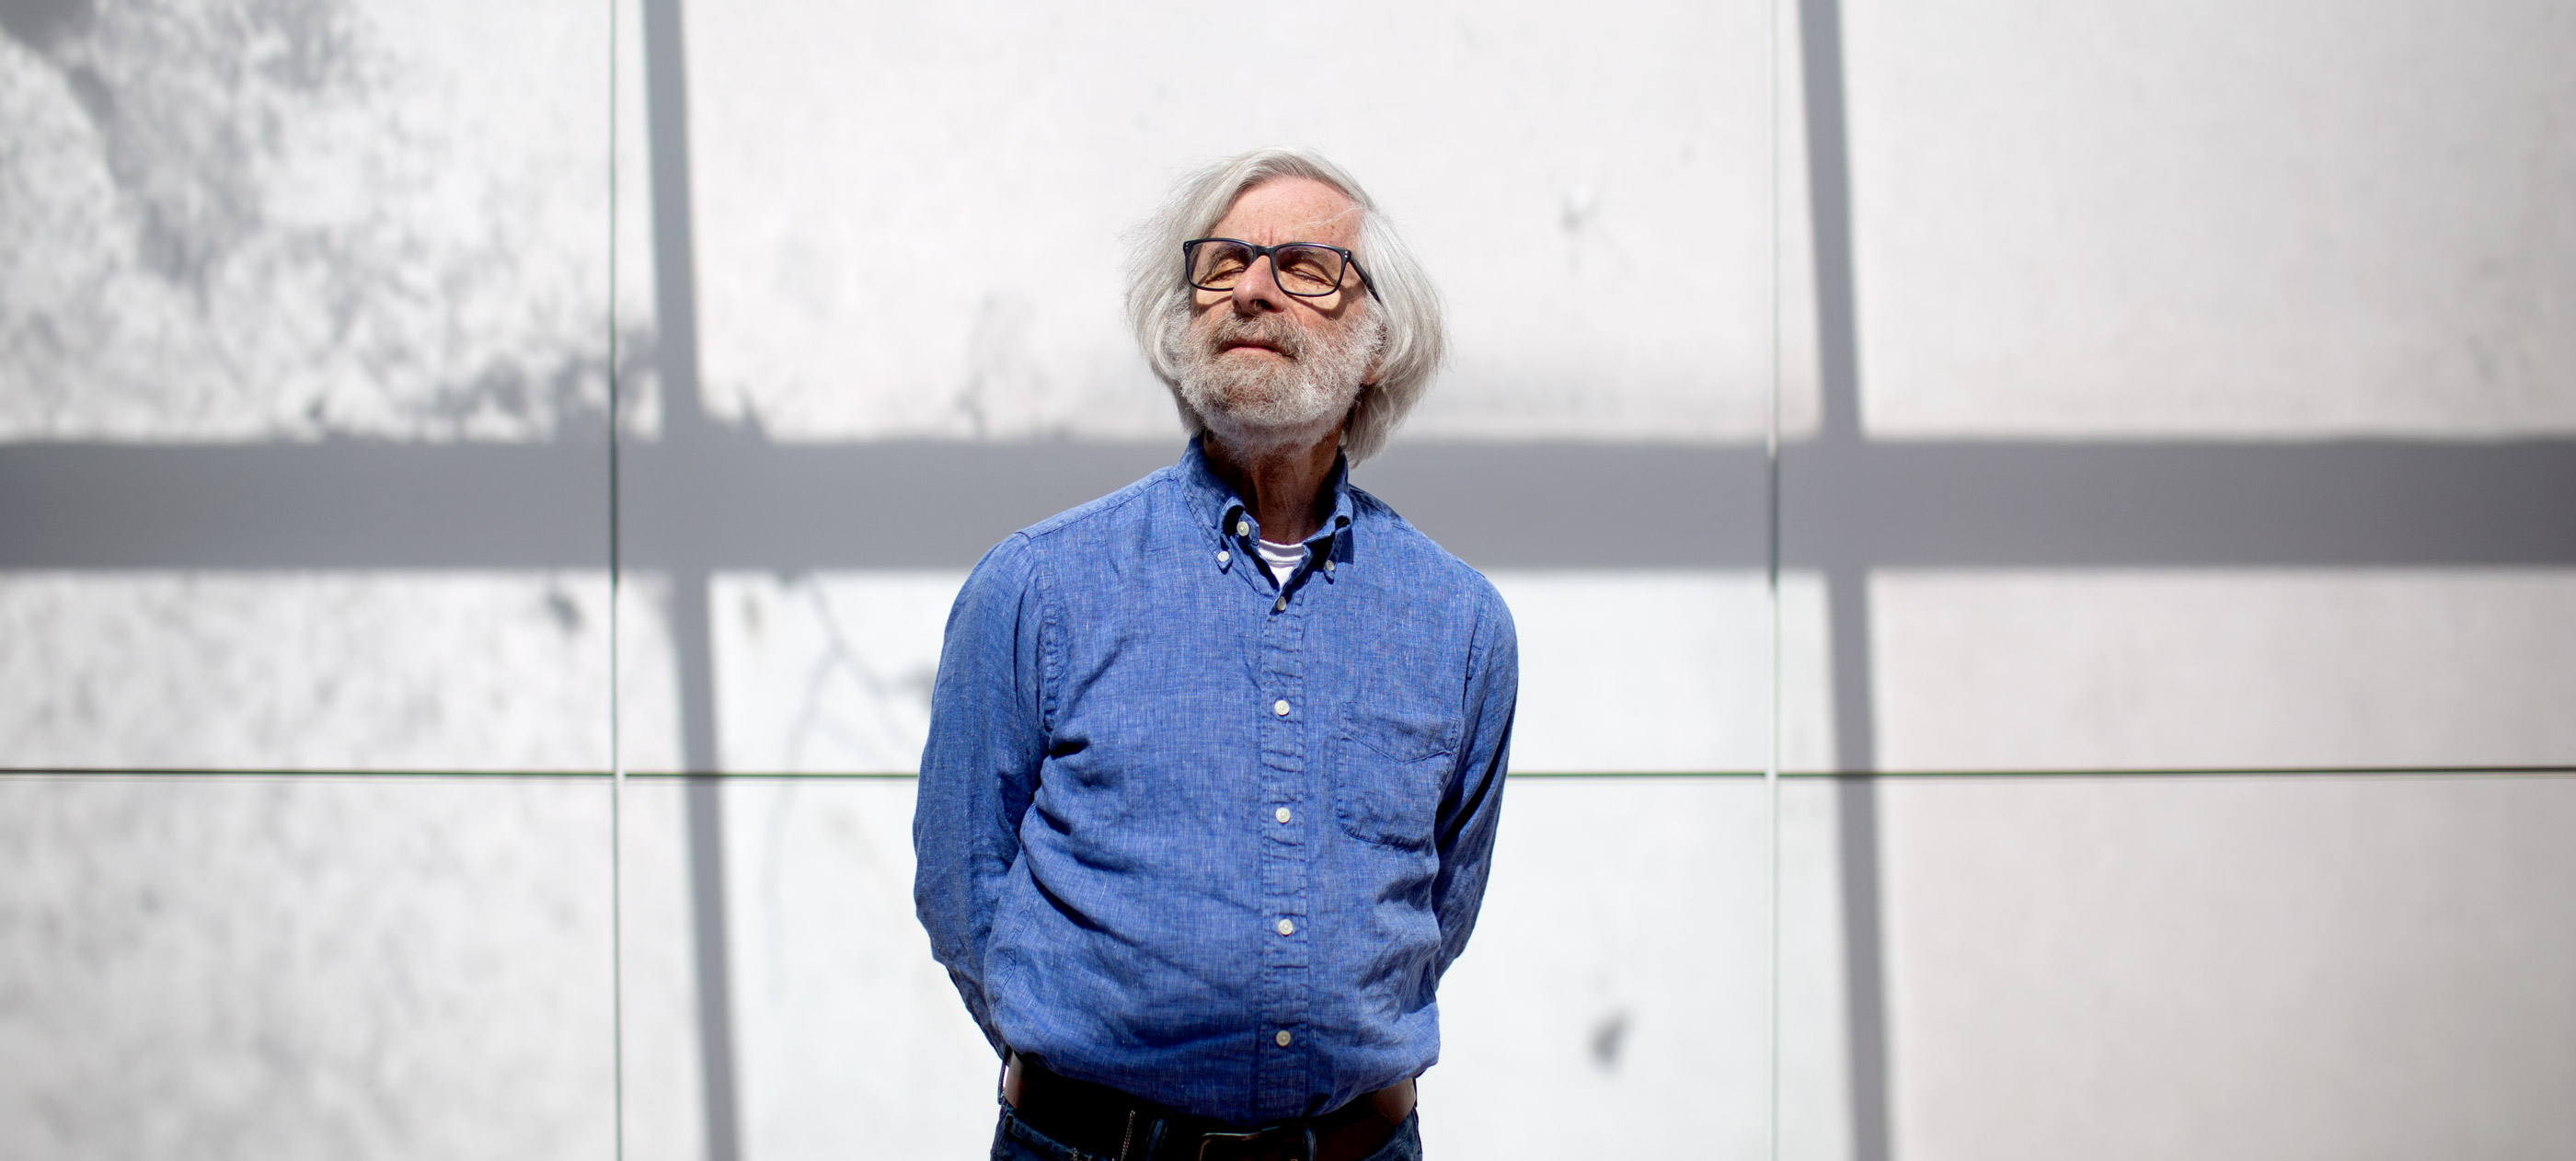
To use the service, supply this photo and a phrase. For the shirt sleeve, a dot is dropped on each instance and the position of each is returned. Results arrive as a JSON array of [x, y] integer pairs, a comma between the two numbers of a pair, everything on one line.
[[1475, 803], [980, 768]]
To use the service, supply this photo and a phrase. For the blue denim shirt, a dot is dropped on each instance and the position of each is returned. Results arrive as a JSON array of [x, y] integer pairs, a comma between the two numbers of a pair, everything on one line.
[[1200, 836]]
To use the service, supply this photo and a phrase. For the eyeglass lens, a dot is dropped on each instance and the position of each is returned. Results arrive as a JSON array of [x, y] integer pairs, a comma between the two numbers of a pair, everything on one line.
[[1302, 270]]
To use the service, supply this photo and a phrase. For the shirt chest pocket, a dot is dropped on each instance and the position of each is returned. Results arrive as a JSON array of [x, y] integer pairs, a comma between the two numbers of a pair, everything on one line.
[[1396, 752]]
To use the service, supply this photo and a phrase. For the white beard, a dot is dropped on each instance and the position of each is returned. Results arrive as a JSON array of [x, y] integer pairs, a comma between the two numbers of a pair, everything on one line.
[[1255, 405]]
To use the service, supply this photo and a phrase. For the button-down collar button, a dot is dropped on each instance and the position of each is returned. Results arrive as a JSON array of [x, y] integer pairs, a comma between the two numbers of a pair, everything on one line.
[[1223, 556], [1243, 528], [1287, 928], [1282, 815], [1282, 1038], [1328, 564], [1280, 707]]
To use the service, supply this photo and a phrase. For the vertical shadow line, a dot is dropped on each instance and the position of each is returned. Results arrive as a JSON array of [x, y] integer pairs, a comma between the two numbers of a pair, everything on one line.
[[1865, 998], [616, 631], [1771, 594], [1771, 599], [1829, 210], [705, 822], [684, 429], [1836, 451]]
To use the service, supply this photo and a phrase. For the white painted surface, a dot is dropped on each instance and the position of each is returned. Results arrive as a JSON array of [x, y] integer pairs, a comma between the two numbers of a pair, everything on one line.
[[370, 218], [2245, 669], [908, 218], [360, 671], [1641, 904], [1656, 670], [634, 280], [2285, 968], [1814, 1060], [648, 675], [262, 968], [2292, 221], [2298, 219], [1619, 964], [659, 1044], [827, 671], [851, 1040]]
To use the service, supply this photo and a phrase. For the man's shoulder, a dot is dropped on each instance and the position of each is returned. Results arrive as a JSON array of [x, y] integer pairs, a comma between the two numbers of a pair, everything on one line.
[[1415, 554], [1099, 515], [1080, 527]]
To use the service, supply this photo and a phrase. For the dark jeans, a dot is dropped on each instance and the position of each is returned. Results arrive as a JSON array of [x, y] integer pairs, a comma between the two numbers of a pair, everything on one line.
[[1015, 1141]]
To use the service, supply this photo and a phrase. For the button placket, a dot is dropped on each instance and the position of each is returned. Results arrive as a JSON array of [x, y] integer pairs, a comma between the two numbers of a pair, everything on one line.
[[1285, 987]]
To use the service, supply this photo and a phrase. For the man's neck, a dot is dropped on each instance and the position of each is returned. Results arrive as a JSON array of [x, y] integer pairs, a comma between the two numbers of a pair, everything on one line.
[[1284, 487]]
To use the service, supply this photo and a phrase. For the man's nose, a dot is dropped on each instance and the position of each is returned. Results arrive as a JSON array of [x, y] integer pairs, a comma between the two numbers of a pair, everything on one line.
[[1258, 289]]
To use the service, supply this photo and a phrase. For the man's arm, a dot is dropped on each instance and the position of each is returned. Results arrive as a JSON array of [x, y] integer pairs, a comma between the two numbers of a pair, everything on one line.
[[987, 736], [1475, 802]]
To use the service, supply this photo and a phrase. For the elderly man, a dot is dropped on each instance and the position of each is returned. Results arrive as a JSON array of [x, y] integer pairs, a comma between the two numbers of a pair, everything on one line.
[[1215, 761]]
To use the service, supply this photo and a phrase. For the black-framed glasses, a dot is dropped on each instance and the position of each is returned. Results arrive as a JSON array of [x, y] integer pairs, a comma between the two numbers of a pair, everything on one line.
[[1304, 269]]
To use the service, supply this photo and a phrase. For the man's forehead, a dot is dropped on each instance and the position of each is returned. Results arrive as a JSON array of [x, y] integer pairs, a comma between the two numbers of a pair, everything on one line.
[[1291, 209]]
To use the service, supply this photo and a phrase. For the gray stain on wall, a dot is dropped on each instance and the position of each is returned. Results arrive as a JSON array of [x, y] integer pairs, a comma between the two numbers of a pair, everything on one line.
[[291, 218]]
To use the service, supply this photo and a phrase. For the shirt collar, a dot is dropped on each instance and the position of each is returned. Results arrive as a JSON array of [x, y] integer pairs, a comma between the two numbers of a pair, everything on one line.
[[1219, 509]]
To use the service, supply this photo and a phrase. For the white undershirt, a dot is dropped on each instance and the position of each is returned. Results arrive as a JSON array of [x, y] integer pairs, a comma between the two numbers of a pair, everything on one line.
[[1282, 559]]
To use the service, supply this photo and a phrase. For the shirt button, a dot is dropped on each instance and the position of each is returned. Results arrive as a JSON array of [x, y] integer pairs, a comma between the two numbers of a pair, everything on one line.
[[1223, 556], [1287, 928], [1282, 1038], [1281, 814], [1328, 564], [1280, 707], [1243, 528], [1281, 606]]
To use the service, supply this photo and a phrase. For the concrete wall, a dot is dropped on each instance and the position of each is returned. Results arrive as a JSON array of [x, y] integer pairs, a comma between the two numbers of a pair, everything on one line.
[[409, 417]]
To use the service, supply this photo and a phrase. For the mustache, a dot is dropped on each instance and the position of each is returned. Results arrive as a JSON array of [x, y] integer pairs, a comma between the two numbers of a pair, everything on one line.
[[1268, 330]]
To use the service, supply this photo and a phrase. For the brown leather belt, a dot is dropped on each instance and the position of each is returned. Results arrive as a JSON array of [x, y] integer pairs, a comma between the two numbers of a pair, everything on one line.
[[1101, 1120]]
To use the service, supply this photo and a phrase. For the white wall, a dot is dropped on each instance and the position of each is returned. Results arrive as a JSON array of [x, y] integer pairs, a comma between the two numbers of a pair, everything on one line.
[[2293, 223]]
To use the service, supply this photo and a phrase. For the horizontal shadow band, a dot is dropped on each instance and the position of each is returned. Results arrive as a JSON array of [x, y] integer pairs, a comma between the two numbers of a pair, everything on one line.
[[737, 502], [667, 777]]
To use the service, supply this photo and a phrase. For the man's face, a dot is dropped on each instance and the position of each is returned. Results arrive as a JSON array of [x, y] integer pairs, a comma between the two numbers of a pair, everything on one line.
[[1266, 368]]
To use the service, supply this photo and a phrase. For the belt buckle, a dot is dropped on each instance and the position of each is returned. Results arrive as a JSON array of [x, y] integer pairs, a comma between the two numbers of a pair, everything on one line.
[[1240, 1139]]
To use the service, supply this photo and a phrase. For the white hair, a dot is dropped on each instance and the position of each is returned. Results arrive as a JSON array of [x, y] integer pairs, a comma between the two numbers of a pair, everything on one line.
[[1414, 341]]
